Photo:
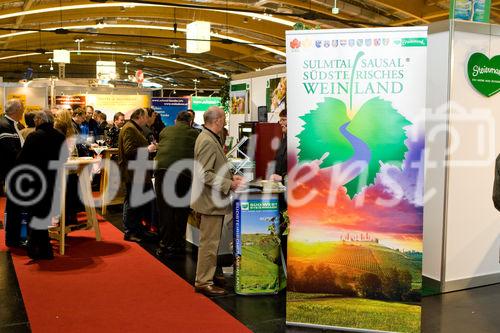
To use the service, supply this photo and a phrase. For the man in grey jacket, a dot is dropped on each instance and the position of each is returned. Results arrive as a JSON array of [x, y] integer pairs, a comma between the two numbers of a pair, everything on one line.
[[212, 184]]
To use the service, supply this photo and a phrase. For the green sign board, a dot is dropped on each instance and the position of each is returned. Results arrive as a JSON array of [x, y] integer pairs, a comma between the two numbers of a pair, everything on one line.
[[200, 103], [484, 73], [470, 10]]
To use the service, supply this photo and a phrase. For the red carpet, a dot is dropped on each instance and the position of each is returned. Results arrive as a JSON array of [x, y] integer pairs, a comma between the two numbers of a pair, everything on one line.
[[112, 286]]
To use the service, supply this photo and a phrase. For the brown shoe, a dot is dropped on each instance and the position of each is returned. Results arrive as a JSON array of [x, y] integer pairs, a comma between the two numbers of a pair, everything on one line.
[[210, 290]]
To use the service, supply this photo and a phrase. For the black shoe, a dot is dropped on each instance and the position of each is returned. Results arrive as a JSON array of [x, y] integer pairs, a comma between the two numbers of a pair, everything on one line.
[[19, 244], [132, 238], [220, 281], [46, 256], [149, 236], [167, 252]]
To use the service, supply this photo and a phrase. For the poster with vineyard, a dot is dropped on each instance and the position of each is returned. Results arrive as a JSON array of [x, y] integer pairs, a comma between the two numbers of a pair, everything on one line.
[[356, 101]]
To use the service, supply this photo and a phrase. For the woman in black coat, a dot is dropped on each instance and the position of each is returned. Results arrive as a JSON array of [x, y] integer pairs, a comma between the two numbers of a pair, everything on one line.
[[41, 147]]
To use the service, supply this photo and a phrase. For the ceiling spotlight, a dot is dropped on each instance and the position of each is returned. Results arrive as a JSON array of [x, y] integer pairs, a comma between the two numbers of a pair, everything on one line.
[[100, 24], [78, 41], [335, 9], [126, 63]]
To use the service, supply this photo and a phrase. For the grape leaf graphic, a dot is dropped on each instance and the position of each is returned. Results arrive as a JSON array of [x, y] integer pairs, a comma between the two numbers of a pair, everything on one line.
[[382, 128], [321, 134], [377, 124]]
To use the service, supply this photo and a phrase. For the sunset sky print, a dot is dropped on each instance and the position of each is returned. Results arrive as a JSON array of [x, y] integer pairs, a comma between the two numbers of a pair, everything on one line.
[[325, 219]]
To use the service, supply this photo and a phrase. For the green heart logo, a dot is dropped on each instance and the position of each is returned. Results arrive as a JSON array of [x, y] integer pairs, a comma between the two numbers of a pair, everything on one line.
[[484, 73]]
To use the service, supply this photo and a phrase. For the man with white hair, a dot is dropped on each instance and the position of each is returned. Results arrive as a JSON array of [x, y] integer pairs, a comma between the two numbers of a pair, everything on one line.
[[212, 184], [10, 138], [10, 144]]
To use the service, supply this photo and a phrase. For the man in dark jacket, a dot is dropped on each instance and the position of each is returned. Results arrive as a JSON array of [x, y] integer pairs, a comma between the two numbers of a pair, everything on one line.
[[114, 131], [89, 128], [41, 147], [132, 138], [281, 153], [176, 144], [10, 146]]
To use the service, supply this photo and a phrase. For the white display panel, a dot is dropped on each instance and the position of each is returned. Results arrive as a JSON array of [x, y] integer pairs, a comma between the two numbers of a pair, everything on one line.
[[473, 237], [437, 97]]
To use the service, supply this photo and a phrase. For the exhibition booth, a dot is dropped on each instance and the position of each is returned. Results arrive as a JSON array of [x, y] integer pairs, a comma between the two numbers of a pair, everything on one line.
[[392, 144]]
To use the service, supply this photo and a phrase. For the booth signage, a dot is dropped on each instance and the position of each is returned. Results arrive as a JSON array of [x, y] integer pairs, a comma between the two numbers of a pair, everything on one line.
[[200, 104], [484, 73], [471, 10], [105, 71], [355, 104], [239, 98], [169, 107], [111, 104]]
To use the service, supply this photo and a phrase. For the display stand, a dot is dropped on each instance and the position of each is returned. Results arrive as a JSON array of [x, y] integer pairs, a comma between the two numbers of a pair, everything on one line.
[[257, 242]]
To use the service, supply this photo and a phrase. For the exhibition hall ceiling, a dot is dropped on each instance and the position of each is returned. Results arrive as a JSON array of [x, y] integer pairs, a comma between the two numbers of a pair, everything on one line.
[[150, 35]]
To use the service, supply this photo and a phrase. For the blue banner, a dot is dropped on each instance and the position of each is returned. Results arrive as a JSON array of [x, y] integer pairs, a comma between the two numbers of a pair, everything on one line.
[[169, 107]]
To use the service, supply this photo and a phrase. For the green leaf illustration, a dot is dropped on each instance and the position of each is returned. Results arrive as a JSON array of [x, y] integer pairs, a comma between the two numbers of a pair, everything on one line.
[[381, 127], [321, 134]]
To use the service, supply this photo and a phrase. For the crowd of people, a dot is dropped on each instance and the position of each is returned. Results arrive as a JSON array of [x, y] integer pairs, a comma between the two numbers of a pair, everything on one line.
[[188, 159]]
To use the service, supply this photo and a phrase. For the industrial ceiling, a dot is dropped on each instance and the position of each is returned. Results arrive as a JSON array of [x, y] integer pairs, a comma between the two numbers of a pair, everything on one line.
[[150, 35]]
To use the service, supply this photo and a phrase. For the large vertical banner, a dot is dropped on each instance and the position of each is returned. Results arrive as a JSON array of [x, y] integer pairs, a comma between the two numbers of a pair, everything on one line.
[[356, 102], [169, 107]]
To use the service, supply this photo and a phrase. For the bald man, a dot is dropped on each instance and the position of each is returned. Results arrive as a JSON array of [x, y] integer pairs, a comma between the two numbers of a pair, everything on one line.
[[212, 183]]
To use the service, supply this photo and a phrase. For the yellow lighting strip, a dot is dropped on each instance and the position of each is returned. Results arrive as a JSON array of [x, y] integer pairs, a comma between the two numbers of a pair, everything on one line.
[[21, 55], [133, 4], [150, 27], [124, 53]]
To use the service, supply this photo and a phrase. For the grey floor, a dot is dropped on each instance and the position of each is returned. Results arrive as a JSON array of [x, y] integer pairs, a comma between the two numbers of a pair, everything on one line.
[[469, 311]]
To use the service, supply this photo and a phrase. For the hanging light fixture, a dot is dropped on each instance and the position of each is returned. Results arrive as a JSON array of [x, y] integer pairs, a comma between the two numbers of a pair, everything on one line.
[[78, 41], [198, 37], [126, 63]]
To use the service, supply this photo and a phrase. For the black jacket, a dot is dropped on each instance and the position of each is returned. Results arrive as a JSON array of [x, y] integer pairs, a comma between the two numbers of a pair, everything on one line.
[[281, 159], [42, 146], [10, 145]]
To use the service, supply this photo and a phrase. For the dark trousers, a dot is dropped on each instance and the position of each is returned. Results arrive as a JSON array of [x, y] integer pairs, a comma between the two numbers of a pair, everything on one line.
[[133, 216], [39, 244], [173, 219], [12, 223]]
